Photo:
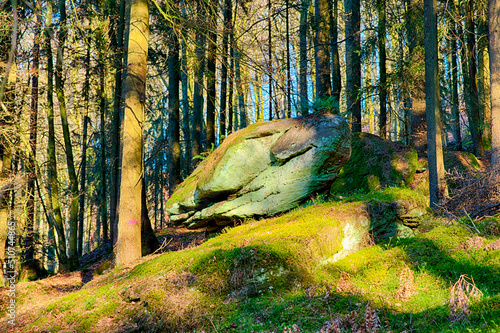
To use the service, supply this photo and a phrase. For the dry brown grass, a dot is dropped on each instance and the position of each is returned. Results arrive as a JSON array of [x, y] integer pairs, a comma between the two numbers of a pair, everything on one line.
[[462, 294], [406, 285]]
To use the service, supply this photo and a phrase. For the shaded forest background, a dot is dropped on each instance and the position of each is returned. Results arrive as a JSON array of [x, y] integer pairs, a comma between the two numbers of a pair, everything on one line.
[[213, 67]]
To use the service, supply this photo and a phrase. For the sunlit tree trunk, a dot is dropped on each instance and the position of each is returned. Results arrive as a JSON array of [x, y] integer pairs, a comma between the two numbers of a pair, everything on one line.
[[437, 183], [483, 73], [29, 241], [211, 88], [270, 57], [353, 61], [494, 50], [128, 247]]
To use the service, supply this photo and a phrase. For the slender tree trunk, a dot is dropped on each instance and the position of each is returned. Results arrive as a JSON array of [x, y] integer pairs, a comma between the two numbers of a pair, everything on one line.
[[104, 182], [383, 69], [211, 88], [270, 58], [197, 117], [471, 93], [128, 247], [53, 182], [353, 61], [29, 241], [230, 95], [241, 94], [437, 182], [304, 103], [288, 75], [416, 102], [224, 69], [455, 113], [322, 48], [336, 75], [483, 75], [73, 179], [117, 45], [186, 117], [83, 172], [173, 111], [494, 49]]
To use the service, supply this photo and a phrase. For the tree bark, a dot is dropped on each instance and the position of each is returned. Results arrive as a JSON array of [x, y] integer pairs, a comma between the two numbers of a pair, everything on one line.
[[117, 45], [381, 30], [128, 247], [197, 118], [29, 241], [174, 176], [471, 93], [437, 183], [304, 103], [334, 49], [353, 61], [73, 179], [494, 49], [322, 48], [455, 113]]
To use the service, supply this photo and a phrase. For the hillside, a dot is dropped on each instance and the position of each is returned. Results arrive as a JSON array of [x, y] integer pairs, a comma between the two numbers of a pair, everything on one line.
[[276, 275]]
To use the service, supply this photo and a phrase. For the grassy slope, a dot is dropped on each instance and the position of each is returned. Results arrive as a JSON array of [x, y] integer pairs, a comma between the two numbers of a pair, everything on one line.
[[271, 274]]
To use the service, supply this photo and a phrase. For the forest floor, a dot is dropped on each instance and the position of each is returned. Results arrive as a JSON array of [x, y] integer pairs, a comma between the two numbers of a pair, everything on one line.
[[272, 275]]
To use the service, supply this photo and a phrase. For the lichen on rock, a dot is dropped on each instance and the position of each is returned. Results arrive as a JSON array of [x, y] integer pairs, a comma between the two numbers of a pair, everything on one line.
[[262, 170]]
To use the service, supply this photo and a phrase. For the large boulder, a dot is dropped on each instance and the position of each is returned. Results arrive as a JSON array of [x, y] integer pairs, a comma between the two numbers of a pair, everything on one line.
[[262, 170]]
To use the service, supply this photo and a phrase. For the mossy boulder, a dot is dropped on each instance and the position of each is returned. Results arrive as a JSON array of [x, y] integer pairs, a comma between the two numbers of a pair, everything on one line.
[[262, 170], [376, 163]]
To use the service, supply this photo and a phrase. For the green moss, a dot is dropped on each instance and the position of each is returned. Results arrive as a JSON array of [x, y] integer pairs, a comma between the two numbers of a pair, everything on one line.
[[375, 163]]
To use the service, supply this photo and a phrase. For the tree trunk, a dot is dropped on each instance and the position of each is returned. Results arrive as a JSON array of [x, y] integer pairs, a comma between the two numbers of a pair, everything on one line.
[[353, 61], [471, 93], [73, 179], [197, 118], [241, 94], [334, 49], [322, 48], [270, 58], [149, 242], [437, 182], [303, 27], [494, 49], [288, 76], [455, 113], [230, 100], [211, 80], [114, 188], [128, 247], [53, 183], [102, 130], [29, 241], [416, 103], [381, 30], [174, 176], [186, 117], [83, 172], [483, 75]]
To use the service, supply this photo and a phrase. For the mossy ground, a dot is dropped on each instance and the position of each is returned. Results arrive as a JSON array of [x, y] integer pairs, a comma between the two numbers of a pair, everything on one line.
[[265, 276]]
